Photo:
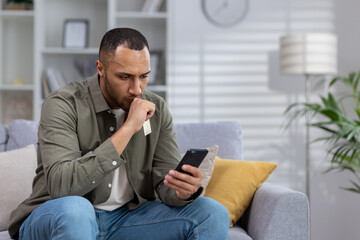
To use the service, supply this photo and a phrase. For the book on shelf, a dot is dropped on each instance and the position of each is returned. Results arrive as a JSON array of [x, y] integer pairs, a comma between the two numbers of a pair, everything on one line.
[[157, 65], [146, 5], [52, 79], [45, 85], [152, 5]]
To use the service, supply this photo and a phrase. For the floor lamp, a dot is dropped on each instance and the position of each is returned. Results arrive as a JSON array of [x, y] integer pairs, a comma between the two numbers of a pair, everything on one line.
[[308, 54]]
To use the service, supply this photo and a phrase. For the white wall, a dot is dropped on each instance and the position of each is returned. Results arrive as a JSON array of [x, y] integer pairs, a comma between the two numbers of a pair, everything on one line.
[[348, 30], [259, 95], [336, 212]]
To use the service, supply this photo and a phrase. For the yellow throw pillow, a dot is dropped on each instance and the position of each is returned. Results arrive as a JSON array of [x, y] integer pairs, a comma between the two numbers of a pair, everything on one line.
[[233, 183]]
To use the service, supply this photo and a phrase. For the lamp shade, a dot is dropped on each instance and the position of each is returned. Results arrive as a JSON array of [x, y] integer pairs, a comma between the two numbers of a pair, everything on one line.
[[309, 53]]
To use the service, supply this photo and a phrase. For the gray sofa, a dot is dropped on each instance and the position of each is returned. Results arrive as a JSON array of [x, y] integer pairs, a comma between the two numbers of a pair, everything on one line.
[[275, 212]]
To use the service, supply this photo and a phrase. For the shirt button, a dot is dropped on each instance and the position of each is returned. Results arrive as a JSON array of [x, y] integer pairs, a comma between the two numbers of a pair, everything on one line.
[[114, 163], [111, 129], [109, 111], [93, 182], [109, 185]]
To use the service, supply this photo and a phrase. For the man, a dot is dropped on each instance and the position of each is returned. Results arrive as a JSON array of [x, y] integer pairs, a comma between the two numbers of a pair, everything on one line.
[[106, 151]]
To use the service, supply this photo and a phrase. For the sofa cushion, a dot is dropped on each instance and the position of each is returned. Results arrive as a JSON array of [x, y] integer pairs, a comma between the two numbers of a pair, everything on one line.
[[237, 233], [22, 133], [3, 137], [233, 184], [207, 166], [4, 235], [227, 135], [17, 172]]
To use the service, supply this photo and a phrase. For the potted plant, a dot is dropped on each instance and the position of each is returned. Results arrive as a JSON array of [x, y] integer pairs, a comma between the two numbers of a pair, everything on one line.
[[342, 131], [19, 4]]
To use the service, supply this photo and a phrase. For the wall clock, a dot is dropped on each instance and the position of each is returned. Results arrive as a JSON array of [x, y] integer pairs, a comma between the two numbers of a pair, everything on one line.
[[225, 13]]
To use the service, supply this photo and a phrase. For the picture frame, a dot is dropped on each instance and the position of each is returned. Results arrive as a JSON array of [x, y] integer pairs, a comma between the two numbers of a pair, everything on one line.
[[75, 34]]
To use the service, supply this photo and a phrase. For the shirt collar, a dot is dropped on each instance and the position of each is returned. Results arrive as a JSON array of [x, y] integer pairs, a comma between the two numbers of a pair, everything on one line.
[[96, 94]]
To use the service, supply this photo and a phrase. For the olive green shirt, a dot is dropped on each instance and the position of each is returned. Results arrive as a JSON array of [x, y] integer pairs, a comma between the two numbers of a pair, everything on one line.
[[76, 156]]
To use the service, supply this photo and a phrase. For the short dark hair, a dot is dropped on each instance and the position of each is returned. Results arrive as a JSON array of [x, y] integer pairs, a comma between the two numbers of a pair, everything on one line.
[[127, 37]]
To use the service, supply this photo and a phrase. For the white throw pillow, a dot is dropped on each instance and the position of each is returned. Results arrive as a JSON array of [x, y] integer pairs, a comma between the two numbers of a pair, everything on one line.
[[207, 166], [17, 170]]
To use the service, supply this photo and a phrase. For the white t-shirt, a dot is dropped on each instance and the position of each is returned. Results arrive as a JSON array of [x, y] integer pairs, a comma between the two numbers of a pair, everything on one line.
[[121, 190]]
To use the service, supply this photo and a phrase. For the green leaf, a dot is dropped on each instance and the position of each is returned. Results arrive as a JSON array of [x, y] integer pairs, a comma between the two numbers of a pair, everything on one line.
[[343, 157], [326, 139], [332, 103], [352, 190], [352, 157], [312, 107], [317, 124], [334, 81], [357, 110], [356, 187], [357, 100], [290, 107], [330, 113], [327, 129], [350, 80], [356, 83], [340, 155], [351, 134], [324, 101]]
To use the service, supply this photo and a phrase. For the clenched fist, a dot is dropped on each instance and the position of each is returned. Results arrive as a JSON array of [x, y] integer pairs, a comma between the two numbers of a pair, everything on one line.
[[140, 111]]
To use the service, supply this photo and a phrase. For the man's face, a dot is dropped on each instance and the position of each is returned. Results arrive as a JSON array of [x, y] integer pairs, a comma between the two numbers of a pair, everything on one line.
[[124, 76]]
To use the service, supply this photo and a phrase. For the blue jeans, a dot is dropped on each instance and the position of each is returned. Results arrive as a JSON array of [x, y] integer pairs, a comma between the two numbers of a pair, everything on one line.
[[75, 218]]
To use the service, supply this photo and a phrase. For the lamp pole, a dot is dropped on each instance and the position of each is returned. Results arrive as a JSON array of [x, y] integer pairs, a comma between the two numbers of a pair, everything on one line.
[[307, 134]]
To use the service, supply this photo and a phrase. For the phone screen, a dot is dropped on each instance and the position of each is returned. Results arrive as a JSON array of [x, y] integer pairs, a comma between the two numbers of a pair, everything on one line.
[[192, 157]]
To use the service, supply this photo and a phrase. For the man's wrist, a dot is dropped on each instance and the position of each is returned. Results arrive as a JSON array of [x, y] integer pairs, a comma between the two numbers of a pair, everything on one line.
[[121, 138], [128, 128], [195, 195]]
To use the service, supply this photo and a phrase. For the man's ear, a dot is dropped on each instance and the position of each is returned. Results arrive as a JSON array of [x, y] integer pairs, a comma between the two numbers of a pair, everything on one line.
[[100, 68]]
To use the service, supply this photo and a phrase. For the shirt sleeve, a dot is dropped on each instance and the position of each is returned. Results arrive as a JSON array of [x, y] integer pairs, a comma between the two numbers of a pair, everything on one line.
[[66, 171]]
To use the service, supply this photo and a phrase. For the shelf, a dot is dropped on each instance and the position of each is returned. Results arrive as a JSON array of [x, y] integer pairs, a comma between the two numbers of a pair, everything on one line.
[[16, 13], [67, 51], [144, 15], [16, 87]]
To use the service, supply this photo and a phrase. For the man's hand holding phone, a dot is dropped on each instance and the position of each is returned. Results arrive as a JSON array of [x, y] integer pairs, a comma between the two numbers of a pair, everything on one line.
[[184, 184], [187, 180]]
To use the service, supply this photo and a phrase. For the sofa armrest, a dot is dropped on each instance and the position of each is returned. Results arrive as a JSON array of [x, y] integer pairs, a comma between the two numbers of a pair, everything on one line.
[[278, 213]]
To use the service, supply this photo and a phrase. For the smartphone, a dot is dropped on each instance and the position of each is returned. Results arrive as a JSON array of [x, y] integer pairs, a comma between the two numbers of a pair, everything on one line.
[[192, 157]]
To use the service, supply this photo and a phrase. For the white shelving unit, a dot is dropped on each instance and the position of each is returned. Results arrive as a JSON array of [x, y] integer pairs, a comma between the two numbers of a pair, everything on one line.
[[32, 41], [16, 13], [16, 64]]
